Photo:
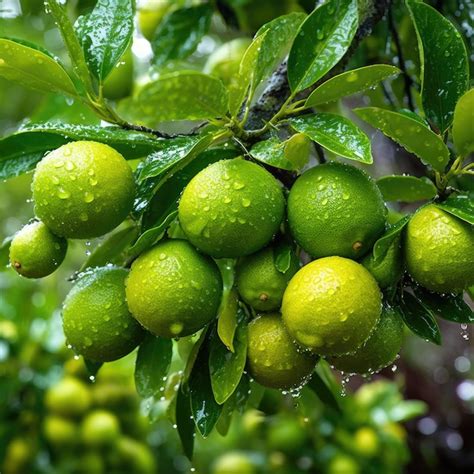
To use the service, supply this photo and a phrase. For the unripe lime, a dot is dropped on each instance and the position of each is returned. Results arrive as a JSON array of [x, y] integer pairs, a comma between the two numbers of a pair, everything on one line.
[[439, 250], [343, 464], [59, 431], [119, 82], [260, 283], [231, 208], [286, 434], [69, 397], [380, 349], [83, 190], [273, 359], [332, 305], [234, 462], [35, 252], [100, 428], [366, 441], [96, 319], [135, 456], [18, 456], [172, 290], [336, 209], [92, 463]]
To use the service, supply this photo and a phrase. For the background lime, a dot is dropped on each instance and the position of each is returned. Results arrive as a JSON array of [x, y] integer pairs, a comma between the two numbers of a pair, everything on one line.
[[69, 397], [100, 428], [234, 462], [60, 432]]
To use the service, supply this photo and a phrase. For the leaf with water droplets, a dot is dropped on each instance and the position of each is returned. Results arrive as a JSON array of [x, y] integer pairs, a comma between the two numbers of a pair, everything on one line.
[[463, 124], [393, 232], [406, 188], [153, 361], [350, 82], [227, 314], [459, 205], [184, 421], [335, 133], [321, 42], [444, 63], [282, 255], [271, 152], [410, 134], [323, 390]]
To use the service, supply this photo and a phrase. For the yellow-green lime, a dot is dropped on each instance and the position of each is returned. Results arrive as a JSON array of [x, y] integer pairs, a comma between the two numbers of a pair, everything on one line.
[[119, 82], [260, 283], [336, 209], [231, 208], [343, 464], [332, 305], [286, 434], [69, 397], [380, 349], [234, 462], [439, 250], [83, 189], [35, 252], [134, 457], [273, 359], [100, 428], [173, 290], [59, 431], [366, 441], [96, 320]]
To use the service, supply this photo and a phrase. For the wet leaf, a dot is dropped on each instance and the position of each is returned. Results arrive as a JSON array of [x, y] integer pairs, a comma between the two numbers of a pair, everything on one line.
[[410, 134], [184, 421], [282, 255], [322, 41], [350, 82], [459, 205], [271, 152], [463, 124], [393, 232], [406, 188], [335, 133], [227, 313], [321, 388], [194, 354]]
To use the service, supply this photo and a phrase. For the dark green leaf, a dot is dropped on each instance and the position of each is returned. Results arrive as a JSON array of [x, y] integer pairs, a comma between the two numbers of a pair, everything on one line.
[[105, 34], [180, 32], [184, 421], [322, 41], [419, 318], [382, 245], [194, 354], [444, 63], [410, 134], [320, 387], [406, 188], [463, 124], [153, 362], [337, 134], [459, 205], [350, 82]]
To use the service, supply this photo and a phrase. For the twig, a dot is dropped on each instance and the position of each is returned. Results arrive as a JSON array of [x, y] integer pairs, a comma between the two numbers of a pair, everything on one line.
[[156, 133]]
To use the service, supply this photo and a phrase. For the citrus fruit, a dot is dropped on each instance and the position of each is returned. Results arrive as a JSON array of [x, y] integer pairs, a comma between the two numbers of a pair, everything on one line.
[[231, 208], [273, 359], [96, 319], [90, 462], [336, 209], [260, 283], [35, 252], [234, 462], [83, 189], [366, 441], [17, 457], [172, 290], [286, 434], [69, 397], [343, 464], [134, 456], [119, 82], [332, 305], [59, 431], [100, 428], [439, 250], [380, 349]]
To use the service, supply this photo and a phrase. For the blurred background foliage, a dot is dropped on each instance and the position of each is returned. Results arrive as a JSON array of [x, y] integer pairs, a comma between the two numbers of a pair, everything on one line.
[[280, 434]]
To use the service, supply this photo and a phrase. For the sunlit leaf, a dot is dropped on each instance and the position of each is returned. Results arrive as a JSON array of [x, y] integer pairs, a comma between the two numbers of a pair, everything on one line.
[[227, 314], [406, 188], [459, 205]]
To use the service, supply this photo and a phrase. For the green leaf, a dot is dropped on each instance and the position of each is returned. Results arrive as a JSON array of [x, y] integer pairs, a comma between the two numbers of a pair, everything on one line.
[[419, 318], [226, 367], [444, 63], [323, 391], [30, 67], [406, 188], [410, 134], [382, 245], [272, 152], [180, 32], [335, 133], [105, 34], [322, 41], [450, 307], [459, 205], [282, 255], [153, 362], [184, 95], [227, 314], [407, 410], [350, 82], [5, 253], [463, 124], [194, 354], [184, 421]]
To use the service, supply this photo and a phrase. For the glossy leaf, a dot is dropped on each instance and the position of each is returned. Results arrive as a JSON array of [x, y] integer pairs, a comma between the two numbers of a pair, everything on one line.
[[105, 34], [180, 32], [193, 355], [152, 365], [444, 63], [410, 134], [227, 313], [459, 205], [323, 391], [382, 245], [350, 82], [282, 255], [322, 41], [30, 67], [419, 318], [184, 422], [272, 152], [335, 133], [5, 253], [463, 124], [406, 188]]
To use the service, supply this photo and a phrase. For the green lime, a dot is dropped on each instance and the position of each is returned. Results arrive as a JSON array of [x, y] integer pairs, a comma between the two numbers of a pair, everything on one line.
[[100, 428], [260, 283], [83, 190], [273, 359], [366, 441], [60, 432], [234, 462], [343, 464], [439, 250], [231, 208], [172, 290], [69, 397], [286, 434], [380, 349], [91, 463], [134, 457], [336, 209], [331, 306], [119, 82], [35, 252], [96, 319]]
